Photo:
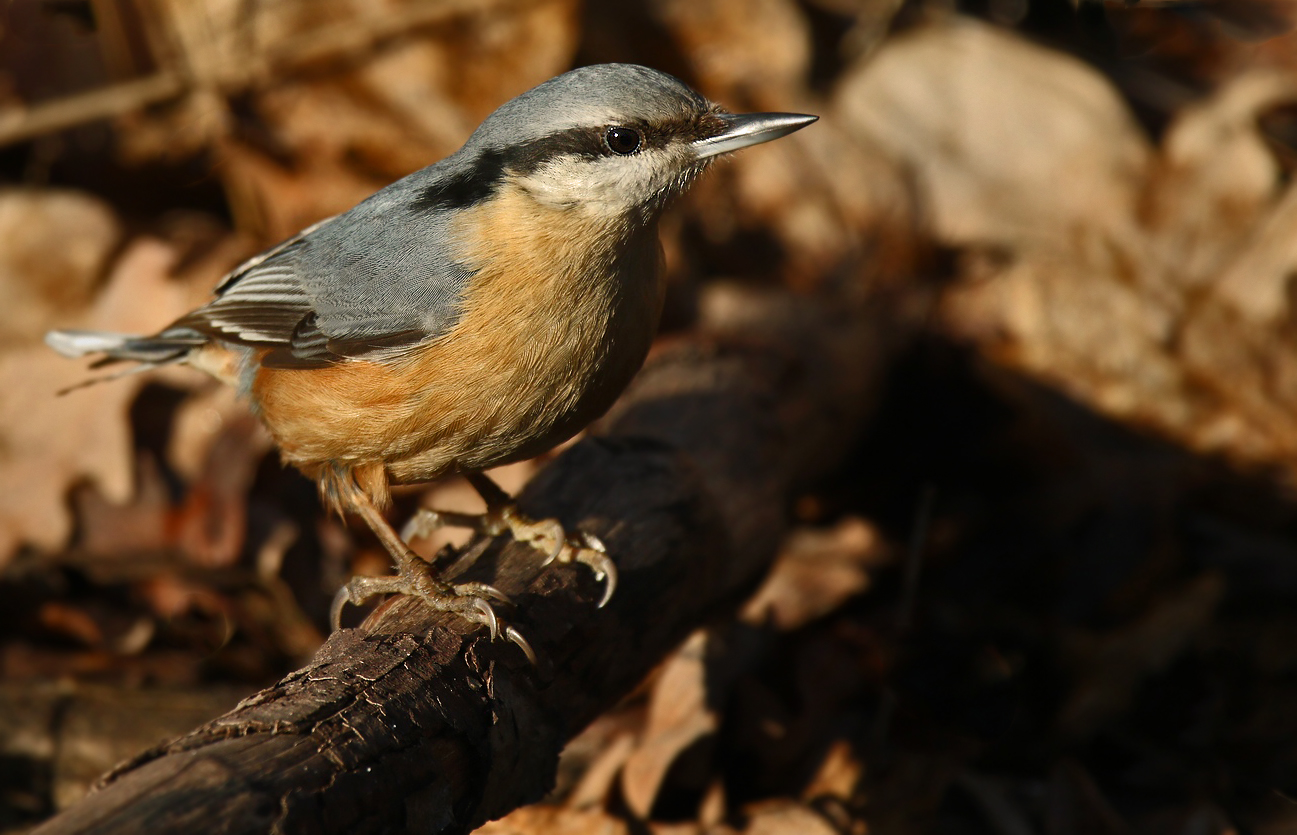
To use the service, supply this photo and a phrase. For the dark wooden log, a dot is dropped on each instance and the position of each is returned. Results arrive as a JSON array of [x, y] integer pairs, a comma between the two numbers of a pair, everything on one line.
[[417, 722]]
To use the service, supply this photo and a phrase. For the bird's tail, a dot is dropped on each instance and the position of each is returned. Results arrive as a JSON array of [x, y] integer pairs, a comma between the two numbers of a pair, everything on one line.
[[168, 347]]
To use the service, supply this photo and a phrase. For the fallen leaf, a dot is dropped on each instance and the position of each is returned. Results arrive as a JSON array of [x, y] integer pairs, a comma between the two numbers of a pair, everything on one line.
[[1151, 284], [1011, 142], [786, 817], [47, 442], [815, 573], [753, 52], [540, 819], [602, 773], [55, 247], [1214, 180], [839, 775], [679, 715]]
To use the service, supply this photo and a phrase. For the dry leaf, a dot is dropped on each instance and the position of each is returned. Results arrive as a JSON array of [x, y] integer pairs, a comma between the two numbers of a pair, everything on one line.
[[602, 773], [679, 715], [839, 775], [125, 530], [540, 819], [1011, 142], [815, 573], [314, 145], [1215, 179], [201, 418], [785, 817], [1151, 285], [49, 442], [752, 53], [55, 247]]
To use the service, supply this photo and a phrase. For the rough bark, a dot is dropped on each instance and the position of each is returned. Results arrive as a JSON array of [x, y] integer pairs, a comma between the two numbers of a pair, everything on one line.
[[417, 722]]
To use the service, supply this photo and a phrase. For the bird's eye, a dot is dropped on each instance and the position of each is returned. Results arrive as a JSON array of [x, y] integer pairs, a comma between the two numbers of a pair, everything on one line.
[[622, 140]]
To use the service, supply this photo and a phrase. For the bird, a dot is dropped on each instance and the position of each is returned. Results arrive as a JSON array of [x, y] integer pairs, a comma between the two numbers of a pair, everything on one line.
[[474, 313]]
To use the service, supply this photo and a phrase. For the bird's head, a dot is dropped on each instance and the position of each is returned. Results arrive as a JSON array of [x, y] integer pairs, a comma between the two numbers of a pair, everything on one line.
[[615, 139]]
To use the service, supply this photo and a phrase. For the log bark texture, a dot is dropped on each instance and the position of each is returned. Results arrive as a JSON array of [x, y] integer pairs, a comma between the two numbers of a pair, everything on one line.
[[417, 722]]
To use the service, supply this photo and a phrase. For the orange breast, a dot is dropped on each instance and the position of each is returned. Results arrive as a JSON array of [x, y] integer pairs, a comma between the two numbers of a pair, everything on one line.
[[551, 330]]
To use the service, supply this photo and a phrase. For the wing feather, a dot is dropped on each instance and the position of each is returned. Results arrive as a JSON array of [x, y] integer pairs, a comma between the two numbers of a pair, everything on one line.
[[371, 282]]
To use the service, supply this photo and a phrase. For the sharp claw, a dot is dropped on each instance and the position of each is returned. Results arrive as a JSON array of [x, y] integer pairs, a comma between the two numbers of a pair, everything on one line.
[[521, 642], [591, 552], [609, 571], [340, 601], [556, 531], [489, 618]]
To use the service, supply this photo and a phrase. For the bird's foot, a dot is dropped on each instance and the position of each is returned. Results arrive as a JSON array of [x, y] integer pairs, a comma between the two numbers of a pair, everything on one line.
[[548, 537], [471, 601], [545, 535]]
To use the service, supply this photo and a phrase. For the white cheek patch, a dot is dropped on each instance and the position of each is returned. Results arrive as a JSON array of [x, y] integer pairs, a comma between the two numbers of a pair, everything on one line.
[[611, 183]]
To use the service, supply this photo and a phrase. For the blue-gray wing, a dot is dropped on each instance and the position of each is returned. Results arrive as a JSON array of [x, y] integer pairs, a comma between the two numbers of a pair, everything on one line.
[[367, 283]]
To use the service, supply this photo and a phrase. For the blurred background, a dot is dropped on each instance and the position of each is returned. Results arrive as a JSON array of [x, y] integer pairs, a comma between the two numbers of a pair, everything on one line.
[[1050, 586]]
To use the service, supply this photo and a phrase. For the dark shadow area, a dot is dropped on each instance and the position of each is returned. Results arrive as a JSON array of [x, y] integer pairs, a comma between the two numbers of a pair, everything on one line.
[[1096, 607]]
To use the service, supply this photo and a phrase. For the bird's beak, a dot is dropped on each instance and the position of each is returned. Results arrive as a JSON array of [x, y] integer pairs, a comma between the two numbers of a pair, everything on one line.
[[750, 129]]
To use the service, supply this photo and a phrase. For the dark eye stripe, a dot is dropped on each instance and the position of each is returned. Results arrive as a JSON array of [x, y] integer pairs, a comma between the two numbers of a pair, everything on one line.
[[478, 181], [526, 157]]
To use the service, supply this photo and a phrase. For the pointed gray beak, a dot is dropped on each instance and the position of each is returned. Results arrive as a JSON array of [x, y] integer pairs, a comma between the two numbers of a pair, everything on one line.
[[750, 129]]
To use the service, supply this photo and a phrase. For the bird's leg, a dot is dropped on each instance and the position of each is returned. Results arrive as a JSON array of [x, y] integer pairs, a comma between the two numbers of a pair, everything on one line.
[[545, 535], [414, 578]]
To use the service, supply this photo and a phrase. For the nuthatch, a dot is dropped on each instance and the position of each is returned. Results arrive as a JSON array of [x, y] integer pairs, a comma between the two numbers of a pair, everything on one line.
[[476, 312]]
